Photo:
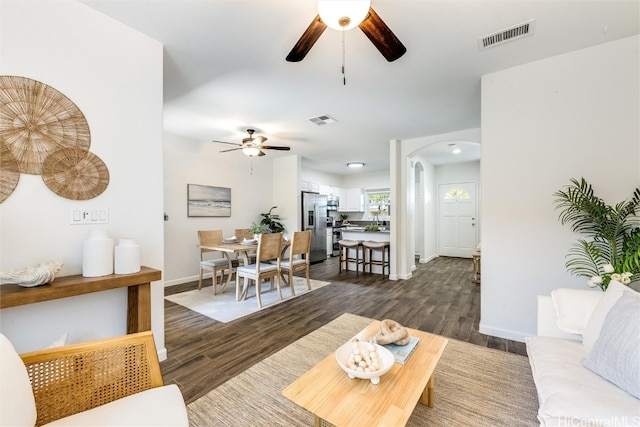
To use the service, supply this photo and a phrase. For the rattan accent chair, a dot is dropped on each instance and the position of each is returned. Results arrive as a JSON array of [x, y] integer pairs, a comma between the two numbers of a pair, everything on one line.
[[269, 248], [300, 245], [114, 381], [217, 265]]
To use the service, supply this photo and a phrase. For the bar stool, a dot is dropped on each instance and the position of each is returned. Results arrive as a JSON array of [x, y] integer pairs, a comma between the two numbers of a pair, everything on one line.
[[369, 247], [345, 246]]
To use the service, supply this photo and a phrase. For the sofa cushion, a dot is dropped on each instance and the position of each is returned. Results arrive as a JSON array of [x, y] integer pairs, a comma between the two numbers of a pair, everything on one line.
[[17, 404], [569, 393], [160, 406], [616, 354], [574, 307], [592, 330]]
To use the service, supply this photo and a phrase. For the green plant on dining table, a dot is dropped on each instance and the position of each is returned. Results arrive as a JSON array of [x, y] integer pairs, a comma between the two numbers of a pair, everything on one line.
[[612, 248], [256, 228]]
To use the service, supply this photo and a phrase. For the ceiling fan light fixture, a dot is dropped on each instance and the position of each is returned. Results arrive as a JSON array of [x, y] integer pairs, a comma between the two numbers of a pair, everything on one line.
[[250, 151], [343, 15]]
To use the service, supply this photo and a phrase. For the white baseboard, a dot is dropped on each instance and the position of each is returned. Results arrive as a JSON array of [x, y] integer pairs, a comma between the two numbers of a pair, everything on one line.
[[162, 354], [185, 280], [400, 277], [426, 260], [504, 333]]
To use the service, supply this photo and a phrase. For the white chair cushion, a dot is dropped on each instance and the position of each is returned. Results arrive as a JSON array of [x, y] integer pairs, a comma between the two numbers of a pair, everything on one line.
[[574, 307], [160, 406], [218, 262], [251, 268], [17, 404], [570, 393], [287, 264]]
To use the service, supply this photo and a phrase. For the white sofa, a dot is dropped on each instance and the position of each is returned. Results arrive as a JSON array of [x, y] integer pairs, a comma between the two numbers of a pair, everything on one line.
[[579, 328], [110, 382]]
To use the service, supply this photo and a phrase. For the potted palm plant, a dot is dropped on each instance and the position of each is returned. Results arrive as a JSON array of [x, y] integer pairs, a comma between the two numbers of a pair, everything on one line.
[[611, 249]]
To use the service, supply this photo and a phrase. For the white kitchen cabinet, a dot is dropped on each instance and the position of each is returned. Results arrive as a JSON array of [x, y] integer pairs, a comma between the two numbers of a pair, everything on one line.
[[330, 190], [353, 200]]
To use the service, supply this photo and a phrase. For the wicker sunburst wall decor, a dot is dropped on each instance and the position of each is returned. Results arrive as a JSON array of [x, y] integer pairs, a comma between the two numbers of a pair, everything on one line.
[[36, 119], [75, 174], [42, 132], [9, 172]]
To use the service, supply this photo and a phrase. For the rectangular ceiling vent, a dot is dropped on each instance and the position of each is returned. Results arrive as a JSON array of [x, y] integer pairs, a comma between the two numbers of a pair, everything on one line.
[[508, 34], [323, 120]]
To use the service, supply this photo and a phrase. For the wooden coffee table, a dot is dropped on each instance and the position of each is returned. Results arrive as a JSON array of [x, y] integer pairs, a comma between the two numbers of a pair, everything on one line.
[[335, 400]]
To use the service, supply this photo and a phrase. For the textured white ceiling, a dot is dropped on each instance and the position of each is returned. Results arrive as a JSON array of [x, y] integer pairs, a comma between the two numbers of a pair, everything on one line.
[[225, 68]]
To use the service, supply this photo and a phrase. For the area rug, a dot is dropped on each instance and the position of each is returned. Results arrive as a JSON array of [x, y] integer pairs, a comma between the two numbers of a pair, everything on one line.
[[224, 307], [474, 386]]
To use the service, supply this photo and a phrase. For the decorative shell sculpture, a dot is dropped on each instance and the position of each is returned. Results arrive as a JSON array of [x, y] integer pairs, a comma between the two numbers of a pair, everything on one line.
[[392, 332], [32, 276]]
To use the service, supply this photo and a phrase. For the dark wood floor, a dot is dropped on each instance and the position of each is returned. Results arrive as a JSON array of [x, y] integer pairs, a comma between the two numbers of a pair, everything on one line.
[[439, 298]]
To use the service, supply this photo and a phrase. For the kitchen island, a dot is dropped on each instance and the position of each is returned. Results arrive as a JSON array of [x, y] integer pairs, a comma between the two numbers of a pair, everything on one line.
[[359, 233]]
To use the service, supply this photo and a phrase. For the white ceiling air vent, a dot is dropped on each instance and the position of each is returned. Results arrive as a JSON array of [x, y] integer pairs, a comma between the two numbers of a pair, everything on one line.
[[323, 120], [508, 34]]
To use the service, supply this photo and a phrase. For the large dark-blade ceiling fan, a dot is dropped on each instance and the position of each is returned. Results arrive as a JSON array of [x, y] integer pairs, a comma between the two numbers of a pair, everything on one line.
[[253, 145], [365, 18]]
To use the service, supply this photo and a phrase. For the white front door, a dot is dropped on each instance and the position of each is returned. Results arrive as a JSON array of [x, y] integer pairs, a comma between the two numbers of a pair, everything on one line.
[[457, 219]]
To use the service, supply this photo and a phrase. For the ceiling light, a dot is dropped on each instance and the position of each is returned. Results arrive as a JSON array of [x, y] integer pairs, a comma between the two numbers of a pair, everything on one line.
[[251, 151], [355, 164], [343, 14], [455, 149]]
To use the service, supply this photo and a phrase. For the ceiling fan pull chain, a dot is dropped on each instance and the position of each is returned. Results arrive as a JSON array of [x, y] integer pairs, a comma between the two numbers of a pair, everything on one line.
[[344, 77]]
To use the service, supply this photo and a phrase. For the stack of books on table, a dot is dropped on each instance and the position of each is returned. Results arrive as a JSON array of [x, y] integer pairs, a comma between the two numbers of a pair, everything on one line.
[[402, 352]]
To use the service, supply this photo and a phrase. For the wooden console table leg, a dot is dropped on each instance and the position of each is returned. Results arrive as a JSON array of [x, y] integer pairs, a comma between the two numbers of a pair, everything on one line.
[[139, 308], [427, 394]]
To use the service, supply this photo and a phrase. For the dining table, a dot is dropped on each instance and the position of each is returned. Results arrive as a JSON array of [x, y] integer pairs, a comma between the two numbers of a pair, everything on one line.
[[242, 250]]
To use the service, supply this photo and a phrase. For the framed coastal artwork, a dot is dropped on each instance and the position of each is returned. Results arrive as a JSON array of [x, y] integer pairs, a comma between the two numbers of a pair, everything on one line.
[[206, 200]]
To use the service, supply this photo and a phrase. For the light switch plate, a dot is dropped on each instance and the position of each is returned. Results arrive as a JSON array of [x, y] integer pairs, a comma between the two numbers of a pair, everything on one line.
[[81, 216]]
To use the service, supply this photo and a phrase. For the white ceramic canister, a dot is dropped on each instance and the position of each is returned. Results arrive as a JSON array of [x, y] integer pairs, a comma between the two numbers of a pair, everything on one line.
[[127, 257], [97, 254]]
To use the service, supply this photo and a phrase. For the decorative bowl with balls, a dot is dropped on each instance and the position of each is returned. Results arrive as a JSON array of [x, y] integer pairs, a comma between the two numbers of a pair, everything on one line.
[[364, 359]]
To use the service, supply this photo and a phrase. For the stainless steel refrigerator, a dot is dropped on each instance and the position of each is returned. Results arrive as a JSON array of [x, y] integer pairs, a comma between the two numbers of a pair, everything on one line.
[[314, 218]]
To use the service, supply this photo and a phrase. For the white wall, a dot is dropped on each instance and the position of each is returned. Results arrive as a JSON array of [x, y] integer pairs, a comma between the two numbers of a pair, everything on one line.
[[286, 196], [428, 248], [570, 116], [200, 162], [320, 177], [114, 75]]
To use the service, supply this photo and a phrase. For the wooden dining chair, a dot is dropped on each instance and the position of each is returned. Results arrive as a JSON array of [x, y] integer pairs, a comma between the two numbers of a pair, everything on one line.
[[269, 248], [217, 265], [244, 233], [300, 245]]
